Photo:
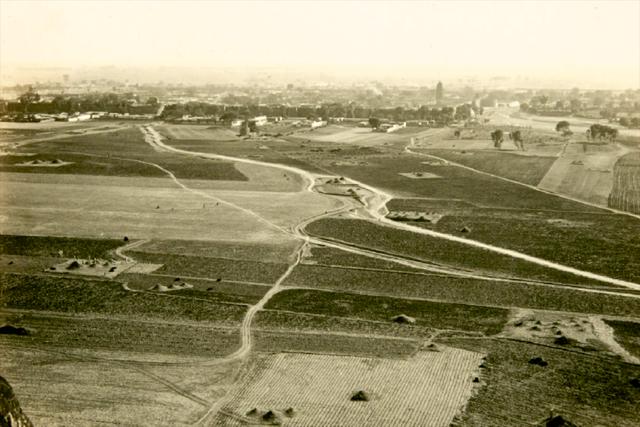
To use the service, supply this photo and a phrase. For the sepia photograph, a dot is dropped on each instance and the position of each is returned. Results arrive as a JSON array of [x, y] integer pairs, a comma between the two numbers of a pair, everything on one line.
[[320, 213]]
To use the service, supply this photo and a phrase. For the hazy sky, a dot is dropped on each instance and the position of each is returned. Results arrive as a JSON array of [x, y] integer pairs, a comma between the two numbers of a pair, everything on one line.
[[576, 40]]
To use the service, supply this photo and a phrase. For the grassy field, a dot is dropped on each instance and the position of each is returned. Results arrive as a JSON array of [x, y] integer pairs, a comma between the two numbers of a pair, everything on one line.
[[600, 243], [56, 388], [456, 183], [47, 246], [625, 194], [527, 169], [276, 320], [206, 289], [370, 235], [213, 268], [265, 150], [104, 334], [319, 388], [427, 314], [266, 252], [72, 295], [584, 171], [290, 341], [460, 290], [114, 154], [584, 389], [627, 334], [334, 257], [113, 209]]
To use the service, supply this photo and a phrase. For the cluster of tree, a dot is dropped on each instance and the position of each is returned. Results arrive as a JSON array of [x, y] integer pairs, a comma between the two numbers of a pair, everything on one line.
[[497, 136], [516, 137], [563, 127], [600, 132], [630, 122], [109, 102], [226, 113]]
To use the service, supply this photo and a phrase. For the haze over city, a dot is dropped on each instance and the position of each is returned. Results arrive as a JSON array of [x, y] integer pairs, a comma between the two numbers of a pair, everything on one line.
[[534, 44]]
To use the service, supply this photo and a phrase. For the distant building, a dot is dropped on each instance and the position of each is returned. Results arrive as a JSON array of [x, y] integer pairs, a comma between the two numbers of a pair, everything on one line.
[[259, 120], [318, 123], [391, 127], [439, 93]]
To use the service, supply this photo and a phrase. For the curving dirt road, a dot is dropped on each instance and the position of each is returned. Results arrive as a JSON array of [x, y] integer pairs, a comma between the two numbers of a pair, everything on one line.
[[376, 207]]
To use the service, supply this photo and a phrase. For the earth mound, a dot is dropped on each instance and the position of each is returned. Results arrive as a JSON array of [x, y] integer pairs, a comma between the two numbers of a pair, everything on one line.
[[360, 396], [10, 411], [538, 361], [403, 319], [13, 330]]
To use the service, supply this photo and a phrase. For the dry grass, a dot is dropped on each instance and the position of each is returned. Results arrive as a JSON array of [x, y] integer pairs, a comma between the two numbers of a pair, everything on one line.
[[319, 388]]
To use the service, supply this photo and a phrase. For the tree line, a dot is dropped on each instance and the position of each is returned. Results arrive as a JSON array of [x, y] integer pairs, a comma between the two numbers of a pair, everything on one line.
[[225, 113]]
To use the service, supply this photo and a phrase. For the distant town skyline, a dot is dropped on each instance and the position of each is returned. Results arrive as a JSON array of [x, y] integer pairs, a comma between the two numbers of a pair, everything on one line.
[[550, 44]]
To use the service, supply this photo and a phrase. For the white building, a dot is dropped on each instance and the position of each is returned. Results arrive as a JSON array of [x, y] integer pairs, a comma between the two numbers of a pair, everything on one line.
[[259, 120]]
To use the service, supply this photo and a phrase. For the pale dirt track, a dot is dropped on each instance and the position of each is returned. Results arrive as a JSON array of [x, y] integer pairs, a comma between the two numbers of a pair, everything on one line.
[[375, 206]]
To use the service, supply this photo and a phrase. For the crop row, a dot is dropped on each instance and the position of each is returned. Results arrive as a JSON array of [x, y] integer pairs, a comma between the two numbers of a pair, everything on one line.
[[379, 308], [583, 389], [71, 295], [605, 244], [627, 334], [39, 246], [125, 335], [214, 291], [288, 341], [409, 244], [526, 169], [213, 268], [463, 290], [455, 183]]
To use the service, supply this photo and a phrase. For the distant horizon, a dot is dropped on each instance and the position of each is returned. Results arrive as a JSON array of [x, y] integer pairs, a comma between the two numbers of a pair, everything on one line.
[[279, 76], [563, 44]]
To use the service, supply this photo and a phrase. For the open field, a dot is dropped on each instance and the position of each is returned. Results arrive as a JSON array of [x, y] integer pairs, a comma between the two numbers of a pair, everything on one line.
[[601, 243], [324, 256], [456, 183], [513, 116], [294, 322], [38, 246], [426, 248], [319, 392], [107, 211], [213, 268], [362, 136], [267, 252], [114, 154], [57, 390], [204, 132], [128, 336], [212, 290], [292, 341], [582, 388], [586, 175], [230, 301], [462, 290], [426, 313], [627, 334], [74, 295], [265, 149], [528, 169], [625, 194]]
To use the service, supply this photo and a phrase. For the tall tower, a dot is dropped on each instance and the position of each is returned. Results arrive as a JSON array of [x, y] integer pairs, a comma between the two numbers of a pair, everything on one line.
[[439, 93]]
